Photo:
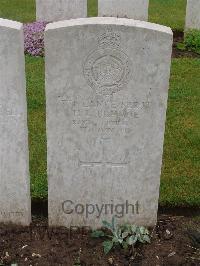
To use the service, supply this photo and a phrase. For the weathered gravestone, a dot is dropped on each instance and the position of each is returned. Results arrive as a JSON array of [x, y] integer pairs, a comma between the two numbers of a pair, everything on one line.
[[54, 10], [193, 14], [14, 170], [136, 9], [106, 87]]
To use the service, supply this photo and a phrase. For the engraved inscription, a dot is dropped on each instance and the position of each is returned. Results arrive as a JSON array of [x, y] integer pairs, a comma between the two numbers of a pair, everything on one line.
[[104, 116], [8, 215], [105, 162], [107, 68]]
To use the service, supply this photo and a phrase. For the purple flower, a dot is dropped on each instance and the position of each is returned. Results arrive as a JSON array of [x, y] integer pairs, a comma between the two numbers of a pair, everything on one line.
[[34, 38]]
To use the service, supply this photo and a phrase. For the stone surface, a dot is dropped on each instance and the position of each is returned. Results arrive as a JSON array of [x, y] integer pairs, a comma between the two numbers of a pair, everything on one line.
[[106, 88], [135, 9], [14, 169], [55, 10], [193, 14]]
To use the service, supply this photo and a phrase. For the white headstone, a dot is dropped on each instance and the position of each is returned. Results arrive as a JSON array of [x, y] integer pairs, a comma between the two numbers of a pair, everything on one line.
[[193, 14], [14, 162], [55, 10], [106, 88], [135, 9]]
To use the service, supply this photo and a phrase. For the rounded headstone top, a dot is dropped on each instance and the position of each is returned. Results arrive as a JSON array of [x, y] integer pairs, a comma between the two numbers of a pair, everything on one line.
[[109, 21], [10, 24]]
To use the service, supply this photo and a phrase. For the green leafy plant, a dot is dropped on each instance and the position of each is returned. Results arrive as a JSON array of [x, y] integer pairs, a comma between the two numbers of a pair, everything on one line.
[[122, 235], [191, 41]]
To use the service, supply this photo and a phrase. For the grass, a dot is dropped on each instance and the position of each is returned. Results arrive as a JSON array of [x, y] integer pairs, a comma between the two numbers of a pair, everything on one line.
[[167, 12], [36, 124], [170, 13], [181, 163], [92, 8], [19, 10]]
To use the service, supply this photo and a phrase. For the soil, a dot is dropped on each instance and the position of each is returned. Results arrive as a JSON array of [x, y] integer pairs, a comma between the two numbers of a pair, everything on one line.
[[176, 53], [175, 241]]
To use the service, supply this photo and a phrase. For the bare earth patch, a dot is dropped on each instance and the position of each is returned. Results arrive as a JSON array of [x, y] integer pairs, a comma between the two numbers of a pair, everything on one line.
[[175, 241]]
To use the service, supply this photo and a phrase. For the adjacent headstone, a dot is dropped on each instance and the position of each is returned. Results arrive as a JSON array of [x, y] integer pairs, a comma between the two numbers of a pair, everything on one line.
[[135, 9], [55, 10], [193, 14], [106, 88], [14, 169]]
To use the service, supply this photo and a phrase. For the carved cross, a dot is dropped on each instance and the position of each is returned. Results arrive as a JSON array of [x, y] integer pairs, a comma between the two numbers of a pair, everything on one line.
[[104, 162]]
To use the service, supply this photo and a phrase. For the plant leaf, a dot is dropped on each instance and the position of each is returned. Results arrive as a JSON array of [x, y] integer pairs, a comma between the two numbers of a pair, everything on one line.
[[119, 232], [146, 238], [120, 240], [142, 230], [131, 240], [113, 223], [117, 240], [97, 233], [140, 238], [107, 246], [107, 225], [125, 234], [133, 228]]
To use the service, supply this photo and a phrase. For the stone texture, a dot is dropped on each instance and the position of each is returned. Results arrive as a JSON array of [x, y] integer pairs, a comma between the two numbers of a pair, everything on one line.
[[55, 10], [135, 9], [14, 169], [193, 14], [106, 88]]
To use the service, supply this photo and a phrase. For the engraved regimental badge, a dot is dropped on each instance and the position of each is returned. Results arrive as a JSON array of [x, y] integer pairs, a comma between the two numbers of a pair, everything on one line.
[[107, 68]]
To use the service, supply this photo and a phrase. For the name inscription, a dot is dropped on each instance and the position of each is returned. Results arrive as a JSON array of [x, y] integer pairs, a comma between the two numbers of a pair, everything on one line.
[[103, 115], [8, 215]]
